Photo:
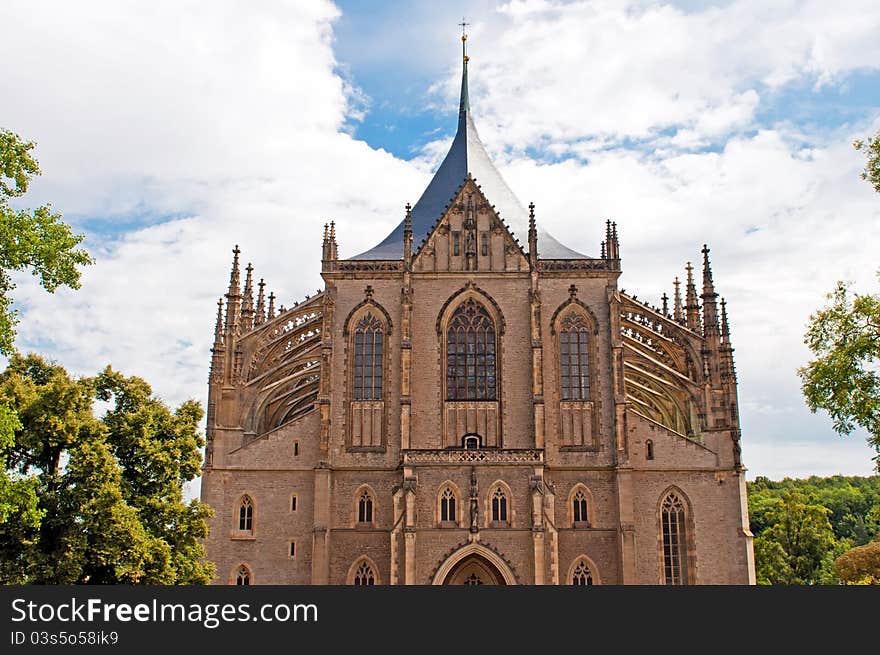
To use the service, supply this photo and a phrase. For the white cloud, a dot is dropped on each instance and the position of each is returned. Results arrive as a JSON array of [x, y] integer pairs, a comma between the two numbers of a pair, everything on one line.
[[547, 71], [231, 116]]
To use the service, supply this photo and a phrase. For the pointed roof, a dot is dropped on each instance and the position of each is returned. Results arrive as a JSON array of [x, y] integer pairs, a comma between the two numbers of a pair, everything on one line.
[[467, 155]]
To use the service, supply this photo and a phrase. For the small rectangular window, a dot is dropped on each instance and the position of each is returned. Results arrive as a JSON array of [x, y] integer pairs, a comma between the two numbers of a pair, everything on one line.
[[484, 244], [296, 448], [293, 503], [456, 243], [293, 549]]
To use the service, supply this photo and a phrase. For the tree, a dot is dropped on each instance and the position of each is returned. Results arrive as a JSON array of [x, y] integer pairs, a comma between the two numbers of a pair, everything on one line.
[[35, 240], [860, 565], [18, 494], [871, 148], [110, 488], [798, 547], [844, 378]]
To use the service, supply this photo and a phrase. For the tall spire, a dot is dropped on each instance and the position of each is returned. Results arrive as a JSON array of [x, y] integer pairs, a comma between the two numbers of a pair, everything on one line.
[[271, 305], [467, 159], [233, 296], [260, 317], [728, 369], [464, 103], [533, 237], [725, 328], [710, 311], [676, 307], [218, 348], [218, 327], [407, 235], [247, 307], [692, 305], [332, 242]]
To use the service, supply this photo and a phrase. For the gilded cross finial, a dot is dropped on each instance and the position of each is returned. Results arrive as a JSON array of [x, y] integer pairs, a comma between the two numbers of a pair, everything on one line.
[[463, 24]]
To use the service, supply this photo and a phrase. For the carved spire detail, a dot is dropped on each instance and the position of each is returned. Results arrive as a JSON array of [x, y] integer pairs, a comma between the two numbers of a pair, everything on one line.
[[219, 348], [233, 296], [247, 306], [710, 310], [676, 307], [407, 235], [533, 237], [692, 304], [260, 316]]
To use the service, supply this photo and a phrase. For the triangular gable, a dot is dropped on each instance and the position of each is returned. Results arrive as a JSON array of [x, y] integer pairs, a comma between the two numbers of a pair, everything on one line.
[[470, 237]]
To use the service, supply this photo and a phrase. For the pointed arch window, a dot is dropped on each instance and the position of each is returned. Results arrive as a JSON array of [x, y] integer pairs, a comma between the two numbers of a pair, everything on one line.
[[365, 508], [364, 575], [470, 354], [579, 507], [581, 576], [499, 506], [368, 348], [673, 528], [246, 515], [447, 505], [242, 576], [574, 363]]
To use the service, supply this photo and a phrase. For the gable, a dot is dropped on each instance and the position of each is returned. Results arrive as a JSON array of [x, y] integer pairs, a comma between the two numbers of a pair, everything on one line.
[[470, 237]]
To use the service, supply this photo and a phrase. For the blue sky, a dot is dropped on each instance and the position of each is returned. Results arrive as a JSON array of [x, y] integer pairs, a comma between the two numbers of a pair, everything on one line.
[[170, 133]]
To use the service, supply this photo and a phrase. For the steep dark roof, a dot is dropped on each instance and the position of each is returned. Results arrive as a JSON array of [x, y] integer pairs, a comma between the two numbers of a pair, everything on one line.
[[467, 155]]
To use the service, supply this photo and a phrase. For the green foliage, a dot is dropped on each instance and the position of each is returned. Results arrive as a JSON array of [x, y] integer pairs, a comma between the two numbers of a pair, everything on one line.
[[110, 489], [853, 503], [791, 519], [871, 149], [861, 565], [797, 546], [844, 378], [18, 494], [30, 239]]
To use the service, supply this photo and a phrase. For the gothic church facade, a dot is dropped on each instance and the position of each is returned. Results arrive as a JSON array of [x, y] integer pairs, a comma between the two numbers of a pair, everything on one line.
[[472, 402]]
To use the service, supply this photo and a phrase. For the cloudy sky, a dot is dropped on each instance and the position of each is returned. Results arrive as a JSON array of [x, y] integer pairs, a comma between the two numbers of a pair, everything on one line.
[[167, 132]]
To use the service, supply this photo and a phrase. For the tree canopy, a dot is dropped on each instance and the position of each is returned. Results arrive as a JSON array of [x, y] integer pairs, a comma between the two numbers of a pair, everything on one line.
[[861, 565], [844, 377], [871, 149], [803, 527], [34, 240], [108, 491]]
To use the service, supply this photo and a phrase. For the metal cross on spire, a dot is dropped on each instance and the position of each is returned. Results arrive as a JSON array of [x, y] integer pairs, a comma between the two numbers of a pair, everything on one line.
[[463, 24]]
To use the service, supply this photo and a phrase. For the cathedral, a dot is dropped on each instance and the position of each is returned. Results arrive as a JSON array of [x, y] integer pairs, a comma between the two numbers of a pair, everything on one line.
[[473, 402]]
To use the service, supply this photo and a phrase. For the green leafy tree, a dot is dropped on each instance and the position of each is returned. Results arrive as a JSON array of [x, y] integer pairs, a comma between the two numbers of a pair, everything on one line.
[[871, 149], [799, 545], [33, 240], [844, 378], [110, 488], [860, 565], [18, 494]]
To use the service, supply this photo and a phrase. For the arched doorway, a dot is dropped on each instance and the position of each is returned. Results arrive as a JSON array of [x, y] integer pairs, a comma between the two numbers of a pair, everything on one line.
[[474, 570], [474, 564]]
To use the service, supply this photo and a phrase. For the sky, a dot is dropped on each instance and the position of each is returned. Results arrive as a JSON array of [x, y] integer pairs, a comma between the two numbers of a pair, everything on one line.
[[168, 132]]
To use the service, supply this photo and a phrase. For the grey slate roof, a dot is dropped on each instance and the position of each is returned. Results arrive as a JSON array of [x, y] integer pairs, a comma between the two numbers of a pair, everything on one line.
[[467, 155]]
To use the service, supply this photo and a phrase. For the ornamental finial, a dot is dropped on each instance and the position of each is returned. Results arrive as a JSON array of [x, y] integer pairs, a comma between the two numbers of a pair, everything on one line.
[[464, 37]]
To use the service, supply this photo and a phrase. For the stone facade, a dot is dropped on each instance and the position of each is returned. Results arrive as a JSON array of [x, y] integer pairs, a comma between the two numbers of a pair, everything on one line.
[[593, 439]]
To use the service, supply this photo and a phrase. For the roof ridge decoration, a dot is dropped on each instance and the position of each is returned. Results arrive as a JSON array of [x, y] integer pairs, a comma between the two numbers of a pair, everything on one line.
[[467, 159]]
